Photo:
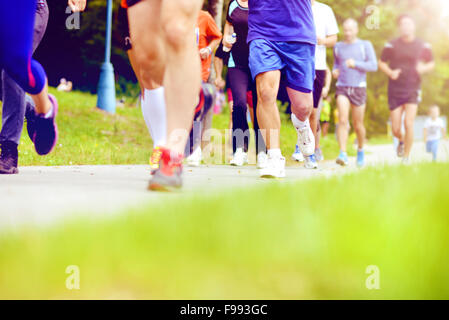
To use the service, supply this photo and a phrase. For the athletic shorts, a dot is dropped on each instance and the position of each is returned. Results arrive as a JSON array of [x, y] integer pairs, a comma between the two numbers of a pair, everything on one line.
[[357, 96], [318, 85], [132, 2], [398, 99], [123, 24], [296, 60]]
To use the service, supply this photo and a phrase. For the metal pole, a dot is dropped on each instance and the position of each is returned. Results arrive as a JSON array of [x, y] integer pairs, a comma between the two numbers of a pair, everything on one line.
[[106, 84]]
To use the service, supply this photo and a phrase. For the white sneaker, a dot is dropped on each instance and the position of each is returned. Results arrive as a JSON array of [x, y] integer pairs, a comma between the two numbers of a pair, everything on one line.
[[306, 141], [240, 158], [275, 168], [262, 160], [297, 156], [194, 160]]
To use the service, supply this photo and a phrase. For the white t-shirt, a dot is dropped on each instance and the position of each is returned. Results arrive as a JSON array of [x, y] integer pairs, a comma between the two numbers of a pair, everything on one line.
[[433, 128], [325, 25]]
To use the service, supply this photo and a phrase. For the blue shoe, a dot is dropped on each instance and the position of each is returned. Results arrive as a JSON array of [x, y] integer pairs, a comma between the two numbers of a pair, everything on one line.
[[310, 162], [360, 158], [343, 159], [44, 130], [297, 156]]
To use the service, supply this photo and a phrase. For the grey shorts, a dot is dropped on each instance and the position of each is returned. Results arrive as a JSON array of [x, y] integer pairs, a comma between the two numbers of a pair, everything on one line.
[[357, 96]]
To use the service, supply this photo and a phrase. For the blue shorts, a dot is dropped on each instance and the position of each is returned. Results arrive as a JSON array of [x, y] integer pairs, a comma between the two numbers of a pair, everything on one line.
[[296, 60]]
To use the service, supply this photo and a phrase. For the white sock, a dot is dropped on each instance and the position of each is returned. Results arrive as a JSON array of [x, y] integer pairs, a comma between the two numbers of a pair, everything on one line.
[[298, 123], [274, 153], [154, 113]]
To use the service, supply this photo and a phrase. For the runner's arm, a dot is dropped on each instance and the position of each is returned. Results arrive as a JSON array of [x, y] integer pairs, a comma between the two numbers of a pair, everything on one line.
[[370, 63]]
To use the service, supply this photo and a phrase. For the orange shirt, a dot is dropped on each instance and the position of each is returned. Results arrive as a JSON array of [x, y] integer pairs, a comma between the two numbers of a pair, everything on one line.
[[206, 32], [124, 4]]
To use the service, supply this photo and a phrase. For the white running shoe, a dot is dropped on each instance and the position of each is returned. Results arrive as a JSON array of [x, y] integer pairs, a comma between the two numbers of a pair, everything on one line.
[[262, 160], [310, 162], [306, 141], [275, 168], [240, 158], [297, 156], [195, 158]]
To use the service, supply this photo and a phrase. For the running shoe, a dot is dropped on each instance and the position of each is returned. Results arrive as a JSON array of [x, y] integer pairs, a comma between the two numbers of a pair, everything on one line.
[[297, 155], [155, 158], [343, 159], [406, 161], [360, 158], [168, 176], [262, 160], [44, 129], [9, 158], [401, 149], [275, 168], [240, 158], [319, 155], [306, 141], [194, 160], [310, 162]]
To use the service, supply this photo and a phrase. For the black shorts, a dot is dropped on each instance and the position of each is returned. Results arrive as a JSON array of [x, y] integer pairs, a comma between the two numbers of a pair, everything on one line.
[[318, 85], [356, 96], [123, 24], [132, 2], [398, 99]]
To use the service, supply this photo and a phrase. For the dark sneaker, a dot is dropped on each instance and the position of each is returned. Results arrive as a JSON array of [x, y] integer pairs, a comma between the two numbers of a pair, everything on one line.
[[401, 149], [9, 158], [168, 176], [44, 130]]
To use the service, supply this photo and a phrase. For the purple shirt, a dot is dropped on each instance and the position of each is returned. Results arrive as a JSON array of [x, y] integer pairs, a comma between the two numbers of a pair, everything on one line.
[[281, 20]]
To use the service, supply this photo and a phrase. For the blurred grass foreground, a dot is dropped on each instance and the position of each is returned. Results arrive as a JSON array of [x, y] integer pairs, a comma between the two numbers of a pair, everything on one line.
[[377, 234]]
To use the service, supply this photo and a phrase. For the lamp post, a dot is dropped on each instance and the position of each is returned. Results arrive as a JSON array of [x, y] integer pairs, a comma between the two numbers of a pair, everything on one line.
[[106, 84]]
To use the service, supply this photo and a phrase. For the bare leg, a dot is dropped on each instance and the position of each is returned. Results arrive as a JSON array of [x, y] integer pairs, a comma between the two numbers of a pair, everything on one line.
[[410, 115], [396, 123], [267, 111], [41, 101], [358, 115], [343, 106], [314, 125], [182, 79]]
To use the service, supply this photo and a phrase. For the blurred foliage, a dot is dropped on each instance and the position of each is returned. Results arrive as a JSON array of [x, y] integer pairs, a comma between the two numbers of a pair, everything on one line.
[[78, 54]]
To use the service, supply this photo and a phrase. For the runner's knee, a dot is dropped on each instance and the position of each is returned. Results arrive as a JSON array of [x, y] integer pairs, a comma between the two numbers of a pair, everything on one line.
[[177, 27]]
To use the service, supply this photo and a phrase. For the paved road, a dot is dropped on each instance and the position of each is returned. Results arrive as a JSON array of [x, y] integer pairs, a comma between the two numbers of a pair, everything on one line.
[[39, 195]]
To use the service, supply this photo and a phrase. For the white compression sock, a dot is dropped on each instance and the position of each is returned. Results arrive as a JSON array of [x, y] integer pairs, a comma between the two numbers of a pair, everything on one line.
[[274, 153], [154, 113], [298, 123]]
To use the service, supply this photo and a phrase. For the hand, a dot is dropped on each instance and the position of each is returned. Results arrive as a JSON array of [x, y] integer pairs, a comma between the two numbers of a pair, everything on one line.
[[325, 93], [394, 74], [421, 68], [320, 41], [220, 83], [350, 63], [205, 53], [336, 73], [77, 5]]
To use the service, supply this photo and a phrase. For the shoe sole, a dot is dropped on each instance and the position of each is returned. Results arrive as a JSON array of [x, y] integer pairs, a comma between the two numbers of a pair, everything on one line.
[[341, 163], [12, 171], [297, 160], [162, 188]]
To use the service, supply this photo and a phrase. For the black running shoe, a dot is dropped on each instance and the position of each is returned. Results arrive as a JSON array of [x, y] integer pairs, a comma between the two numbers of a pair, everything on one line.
[[9, 158], [44, 131], [168, 177]]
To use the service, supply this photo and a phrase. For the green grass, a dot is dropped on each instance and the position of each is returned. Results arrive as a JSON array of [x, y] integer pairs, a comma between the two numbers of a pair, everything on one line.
[[311, 240], [88, 136]]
